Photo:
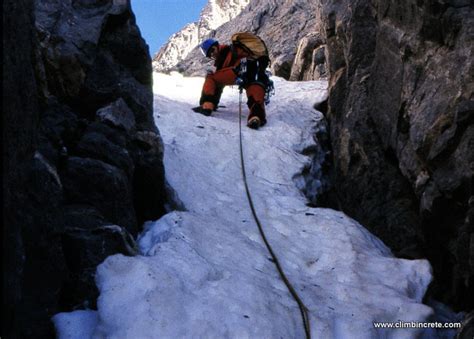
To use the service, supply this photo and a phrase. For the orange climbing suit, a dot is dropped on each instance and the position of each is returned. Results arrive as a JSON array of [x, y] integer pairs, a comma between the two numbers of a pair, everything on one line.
[[225, 63]]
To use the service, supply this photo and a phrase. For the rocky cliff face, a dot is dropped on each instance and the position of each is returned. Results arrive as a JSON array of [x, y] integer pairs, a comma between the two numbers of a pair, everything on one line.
[[213, 15], [289, 30], [82, 156], [401, 115]]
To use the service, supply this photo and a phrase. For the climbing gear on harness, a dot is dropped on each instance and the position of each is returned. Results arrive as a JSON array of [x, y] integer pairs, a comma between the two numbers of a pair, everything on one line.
[[269, 89], [206, 46], [252, 72], [291, 289], [241, 72]]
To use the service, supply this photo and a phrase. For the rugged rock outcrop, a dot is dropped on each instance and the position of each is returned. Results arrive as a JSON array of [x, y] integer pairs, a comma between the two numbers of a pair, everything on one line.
[[310, 59], [401, 115], [213, 15], [287, 27], [82, 157]]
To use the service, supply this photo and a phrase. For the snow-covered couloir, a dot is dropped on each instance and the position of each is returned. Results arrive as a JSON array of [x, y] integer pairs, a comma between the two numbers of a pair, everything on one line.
[[205, 273]]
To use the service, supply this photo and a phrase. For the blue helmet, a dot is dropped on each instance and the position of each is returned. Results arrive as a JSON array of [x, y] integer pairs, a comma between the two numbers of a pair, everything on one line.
[[206, 45]]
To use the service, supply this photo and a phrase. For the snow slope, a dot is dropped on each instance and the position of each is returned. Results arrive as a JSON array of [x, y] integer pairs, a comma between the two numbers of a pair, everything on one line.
[[205, 273]]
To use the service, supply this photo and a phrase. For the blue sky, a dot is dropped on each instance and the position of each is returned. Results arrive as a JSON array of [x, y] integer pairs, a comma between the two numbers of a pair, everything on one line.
[[158, 19]]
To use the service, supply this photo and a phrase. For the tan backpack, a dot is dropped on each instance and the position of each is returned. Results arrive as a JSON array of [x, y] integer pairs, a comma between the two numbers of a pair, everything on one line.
[[252, 44]]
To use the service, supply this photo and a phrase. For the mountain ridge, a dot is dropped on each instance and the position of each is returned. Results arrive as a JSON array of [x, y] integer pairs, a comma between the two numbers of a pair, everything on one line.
[[287, 27], [214, 14]]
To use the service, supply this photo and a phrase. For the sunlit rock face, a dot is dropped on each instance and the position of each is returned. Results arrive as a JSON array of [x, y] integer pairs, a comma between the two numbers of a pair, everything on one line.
[[289, 30], [214, 14], [401, 119]]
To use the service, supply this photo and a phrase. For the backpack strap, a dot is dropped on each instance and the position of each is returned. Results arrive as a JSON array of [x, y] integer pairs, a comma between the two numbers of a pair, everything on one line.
[[234, 54]]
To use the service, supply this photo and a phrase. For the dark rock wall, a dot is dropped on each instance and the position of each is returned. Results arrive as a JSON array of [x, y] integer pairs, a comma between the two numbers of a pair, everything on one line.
[[401, 115], [20, 115], [82, 157]]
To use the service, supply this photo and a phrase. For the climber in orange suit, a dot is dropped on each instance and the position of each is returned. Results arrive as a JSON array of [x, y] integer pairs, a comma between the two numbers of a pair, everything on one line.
[[227, 60]]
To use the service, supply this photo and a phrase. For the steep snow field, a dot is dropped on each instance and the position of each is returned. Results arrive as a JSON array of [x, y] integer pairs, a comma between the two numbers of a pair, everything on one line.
[[205, 273]]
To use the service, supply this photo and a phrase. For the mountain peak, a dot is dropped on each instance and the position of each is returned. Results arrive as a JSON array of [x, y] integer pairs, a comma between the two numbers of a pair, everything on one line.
[[213, 15]]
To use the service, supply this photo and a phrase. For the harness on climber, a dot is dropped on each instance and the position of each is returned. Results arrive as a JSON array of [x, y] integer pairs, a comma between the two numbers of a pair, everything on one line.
[[251, 71]]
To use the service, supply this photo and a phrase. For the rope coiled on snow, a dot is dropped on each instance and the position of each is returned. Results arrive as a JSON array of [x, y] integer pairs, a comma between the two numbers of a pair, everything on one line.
[[291, 289]]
